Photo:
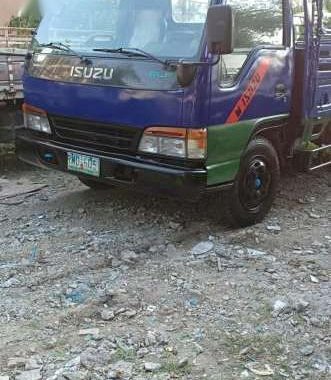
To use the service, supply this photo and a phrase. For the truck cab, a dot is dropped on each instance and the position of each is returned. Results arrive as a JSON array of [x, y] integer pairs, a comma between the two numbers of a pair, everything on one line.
[[183, 97]]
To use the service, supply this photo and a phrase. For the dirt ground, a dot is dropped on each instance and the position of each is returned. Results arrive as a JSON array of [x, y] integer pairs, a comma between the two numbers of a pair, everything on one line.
[[119, 285]]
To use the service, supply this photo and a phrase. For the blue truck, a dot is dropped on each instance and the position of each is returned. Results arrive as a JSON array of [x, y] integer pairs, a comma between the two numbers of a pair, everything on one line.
[[183, 97]]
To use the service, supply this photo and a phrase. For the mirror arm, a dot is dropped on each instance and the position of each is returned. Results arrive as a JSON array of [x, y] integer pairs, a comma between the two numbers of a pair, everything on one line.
[[174, 65]]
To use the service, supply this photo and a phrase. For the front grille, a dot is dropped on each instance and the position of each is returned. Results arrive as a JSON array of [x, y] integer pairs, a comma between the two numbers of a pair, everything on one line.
[[103, 137]]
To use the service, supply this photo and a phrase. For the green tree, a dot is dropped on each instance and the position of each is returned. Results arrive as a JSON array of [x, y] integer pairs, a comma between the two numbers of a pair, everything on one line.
[[29, 18], [256, 22]]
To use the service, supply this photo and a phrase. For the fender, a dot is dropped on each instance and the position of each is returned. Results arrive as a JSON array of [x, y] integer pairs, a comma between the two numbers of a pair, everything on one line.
[[228, 142]]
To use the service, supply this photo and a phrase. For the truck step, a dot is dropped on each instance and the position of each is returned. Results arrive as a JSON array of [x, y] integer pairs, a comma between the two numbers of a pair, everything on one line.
[[313, 158], [318, 129]]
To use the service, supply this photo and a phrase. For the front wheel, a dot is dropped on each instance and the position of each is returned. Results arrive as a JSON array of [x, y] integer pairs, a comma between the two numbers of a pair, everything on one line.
[[255, 186]]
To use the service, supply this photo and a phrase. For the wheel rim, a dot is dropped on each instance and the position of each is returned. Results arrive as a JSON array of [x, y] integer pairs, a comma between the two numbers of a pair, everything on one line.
[[255, 185]]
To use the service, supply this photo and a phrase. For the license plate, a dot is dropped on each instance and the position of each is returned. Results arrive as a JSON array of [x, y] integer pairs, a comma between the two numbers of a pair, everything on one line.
[[84, 164]]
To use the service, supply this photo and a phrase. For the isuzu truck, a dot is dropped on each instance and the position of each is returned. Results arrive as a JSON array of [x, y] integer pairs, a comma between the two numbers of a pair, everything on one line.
[[183, 97]]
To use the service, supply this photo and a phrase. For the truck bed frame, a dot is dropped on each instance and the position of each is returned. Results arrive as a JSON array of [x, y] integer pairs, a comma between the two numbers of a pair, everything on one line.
[[13, 47]]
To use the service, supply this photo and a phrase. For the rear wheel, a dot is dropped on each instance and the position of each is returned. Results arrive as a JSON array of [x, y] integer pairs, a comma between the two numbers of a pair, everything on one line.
[[93, 184], [255, 186]]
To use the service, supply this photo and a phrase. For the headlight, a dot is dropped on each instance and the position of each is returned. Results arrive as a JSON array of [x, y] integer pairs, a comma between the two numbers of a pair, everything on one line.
[[36, 119], [175, 142]]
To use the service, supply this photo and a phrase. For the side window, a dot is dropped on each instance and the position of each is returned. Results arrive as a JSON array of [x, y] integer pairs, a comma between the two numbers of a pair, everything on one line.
[[190, 11], [327, 15], [298, 20], [256, 23]]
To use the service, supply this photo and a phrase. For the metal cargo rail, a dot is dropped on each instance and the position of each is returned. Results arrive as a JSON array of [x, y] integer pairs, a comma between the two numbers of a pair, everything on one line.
[[13, 47], [15, 38]]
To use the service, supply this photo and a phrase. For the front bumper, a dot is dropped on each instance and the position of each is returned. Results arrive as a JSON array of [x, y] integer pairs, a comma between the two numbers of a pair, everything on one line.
[[121, 170]]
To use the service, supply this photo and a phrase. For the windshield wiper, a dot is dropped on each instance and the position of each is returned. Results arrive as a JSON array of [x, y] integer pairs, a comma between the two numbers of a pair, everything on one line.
[[63, 47], [135, 52]]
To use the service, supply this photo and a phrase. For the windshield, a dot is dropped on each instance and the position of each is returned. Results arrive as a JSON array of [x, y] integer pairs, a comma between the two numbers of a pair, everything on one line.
[[164, 28]]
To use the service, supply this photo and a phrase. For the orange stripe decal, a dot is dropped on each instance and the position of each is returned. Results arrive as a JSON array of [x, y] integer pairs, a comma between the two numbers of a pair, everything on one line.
[[248, 95]]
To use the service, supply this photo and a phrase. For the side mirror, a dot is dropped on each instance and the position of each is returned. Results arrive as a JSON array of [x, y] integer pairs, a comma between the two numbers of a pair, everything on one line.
[[220, 25]]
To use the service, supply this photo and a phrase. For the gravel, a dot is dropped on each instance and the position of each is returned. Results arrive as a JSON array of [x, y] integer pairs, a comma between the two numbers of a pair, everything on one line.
[[119, 285]]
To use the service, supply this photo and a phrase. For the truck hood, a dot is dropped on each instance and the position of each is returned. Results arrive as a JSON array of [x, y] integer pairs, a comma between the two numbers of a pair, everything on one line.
[[122, 91]]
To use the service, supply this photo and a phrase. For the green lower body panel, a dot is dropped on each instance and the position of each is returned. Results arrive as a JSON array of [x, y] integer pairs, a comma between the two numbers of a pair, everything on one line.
[[227, 143]]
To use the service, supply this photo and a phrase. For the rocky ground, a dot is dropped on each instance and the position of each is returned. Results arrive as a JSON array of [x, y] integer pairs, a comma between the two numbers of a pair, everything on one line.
[[115, 285]]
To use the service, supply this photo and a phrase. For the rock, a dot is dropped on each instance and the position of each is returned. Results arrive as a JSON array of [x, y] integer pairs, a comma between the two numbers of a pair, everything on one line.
[[150, 339], [73, 364], [92, 331], [322, 365], [11, 283], [52, 342], [92, 357], [78, 296], [130, 313], [245, 375], [274, 228], [307, 350], [107, 315], [314, 279], [171, 249], [199, 349], [152, 367], [183, 362], [163, 376], [174, 225], [202, 248], [313, 215], [129, 256], [121, 370], [244, 351], [192, 302], [316, 322], [280, 307], [255, 252], [4, 377], [153, 249], [270, 270], [32, 364], [301, 306], [113, 375], [80, 375], [30, 375], [260, 369], [219, 264], [16, 362], [142, 352]]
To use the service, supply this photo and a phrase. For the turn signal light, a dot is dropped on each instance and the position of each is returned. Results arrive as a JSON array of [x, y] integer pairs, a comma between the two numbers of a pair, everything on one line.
[[36, 119], [175, 142]]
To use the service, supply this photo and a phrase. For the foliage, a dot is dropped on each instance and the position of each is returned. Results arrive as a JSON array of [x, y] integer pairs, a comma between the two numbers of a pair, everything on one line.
[[256, 23], [29, 18]]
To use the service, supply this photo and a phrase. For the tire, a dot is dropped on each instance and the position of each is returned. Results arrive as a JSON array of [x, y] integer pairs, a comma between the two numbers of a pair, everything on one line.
[[93, 184], [255, 186]]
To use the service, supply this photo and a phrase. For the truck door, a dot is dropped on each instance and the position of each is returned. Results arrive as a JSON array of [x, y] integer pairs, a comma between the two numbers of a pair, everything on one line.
[[251, 88]]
